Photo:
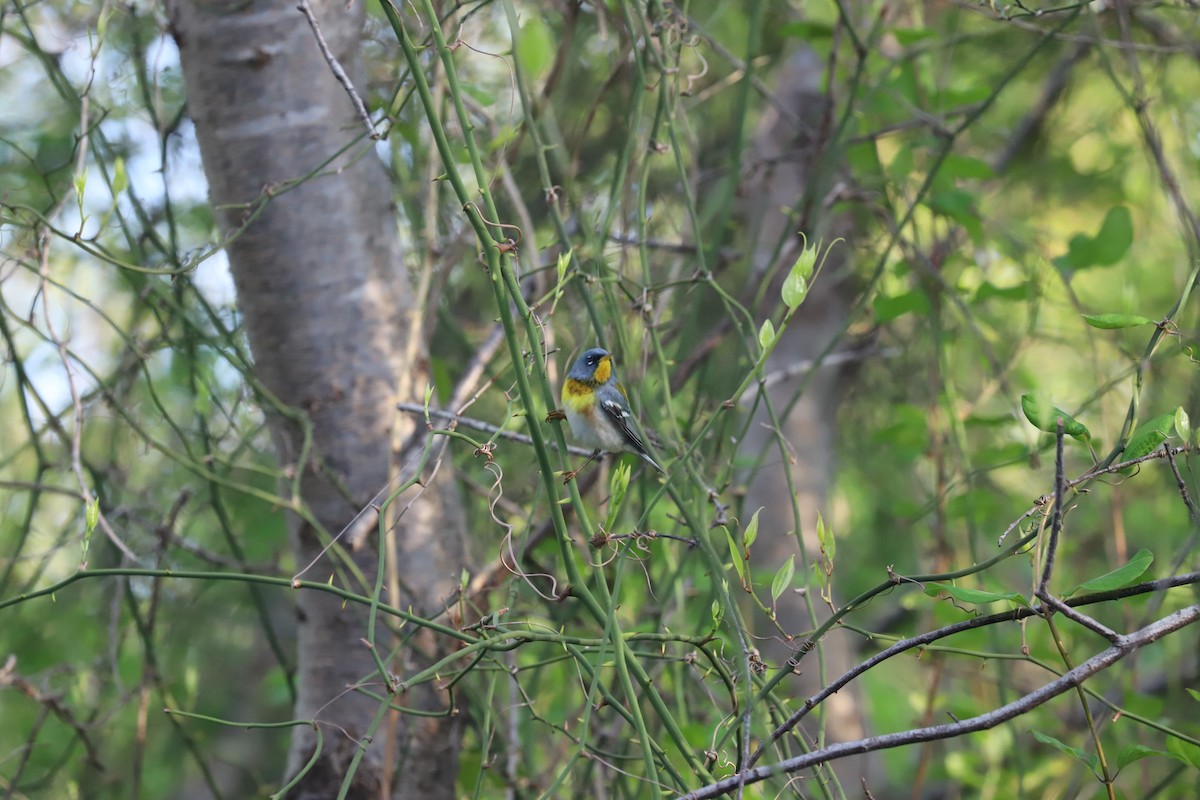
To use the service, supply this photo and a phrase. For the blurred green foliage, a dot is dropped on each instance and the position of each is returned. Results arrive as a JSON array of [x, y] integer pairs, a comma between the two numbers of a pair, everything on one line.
[[1017, 176]]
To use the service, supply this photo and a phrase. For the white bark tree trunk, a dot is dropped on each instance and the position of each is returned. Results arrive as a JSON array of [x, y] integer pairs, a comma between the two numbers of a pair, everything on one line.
[[788, 166], [327, 308]]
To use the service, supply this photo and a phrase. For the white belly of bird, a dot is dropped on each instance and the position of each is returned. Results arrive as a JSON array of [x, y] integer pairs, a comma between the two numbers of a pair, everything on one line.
[[603, 436]]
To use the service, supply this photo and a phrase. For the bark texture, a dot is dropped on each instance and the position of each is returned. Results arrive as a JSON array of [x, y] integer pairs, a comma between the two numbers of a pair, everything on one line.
[[328, 313], [787, 183]]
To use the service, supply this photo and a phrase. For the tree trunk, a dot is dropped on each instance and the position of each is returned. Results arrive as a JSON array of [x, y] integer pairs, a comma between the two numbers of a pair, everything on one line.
[[786, 180], [328, 311]]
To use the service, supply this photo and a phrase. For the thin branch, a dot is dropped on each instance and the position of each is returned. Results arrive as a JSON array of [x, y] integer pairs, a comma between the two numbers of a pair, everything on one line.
[[480, 425], [1193, 513], [1087, 477], [64, 356], [360, 108], [929, 637], [1056, 521], [806, 365], [1043, 593], [1083, 619], [1147, 635]]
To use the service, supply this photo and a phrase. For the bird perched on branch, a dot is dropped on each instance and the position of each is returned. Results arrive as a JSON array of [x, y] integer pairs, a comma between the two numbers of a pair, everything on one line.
[[598, 410]]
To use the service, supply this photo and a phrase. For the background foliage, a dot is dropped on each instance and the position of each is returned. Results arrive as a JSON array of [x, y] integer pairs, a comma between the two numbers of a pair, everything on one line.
[[1015, 170]]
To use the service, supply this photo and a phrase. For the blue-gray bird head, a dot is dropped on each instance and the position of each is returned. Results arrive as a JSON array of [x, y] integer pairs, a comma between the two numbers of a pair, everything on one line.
[[594, 365]]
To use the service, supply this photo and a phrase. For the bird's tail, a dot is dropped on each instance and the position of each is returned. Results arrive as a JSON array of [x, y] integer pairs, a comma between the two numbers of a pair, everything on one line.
[[653, 463]]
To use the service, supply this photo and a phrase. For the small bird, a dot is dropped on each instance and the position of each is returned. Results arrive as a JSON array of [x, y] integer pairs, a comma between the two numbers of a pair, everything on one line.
[[597, 409]]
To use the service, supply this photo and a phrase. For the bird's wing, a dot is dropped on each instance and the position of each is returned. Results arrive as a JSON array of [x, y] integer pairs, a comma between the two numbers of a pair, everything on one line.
[[620, 415], [617, 410]]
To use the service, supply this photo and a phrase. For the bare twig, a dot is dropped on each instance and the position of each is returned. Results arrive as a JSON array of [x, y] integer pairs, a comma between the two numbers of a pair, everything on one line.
[[1043, 592], [1075, 677], [1083, 619], [1056, 521], [1193, 513], [359, 107], [1086, 477], [798, 368], [921, 640], [484, 427], [76, 405]]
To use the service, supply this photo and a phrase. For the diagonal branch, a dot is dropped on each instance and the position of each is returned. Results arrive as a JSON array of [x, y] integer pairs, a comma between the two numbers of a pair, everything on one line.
[[929, 637], [360, 108], [1151, 633]]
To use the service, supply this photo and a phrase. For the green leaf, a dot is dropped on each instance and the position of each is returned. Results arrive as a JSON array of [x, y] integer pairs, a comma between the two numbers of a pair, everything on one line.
[[735, 553], [959, 166], [1186, 752], [203, 397], [1091, 761], [91, 516], [1107, 247], [989, 291], [795, 289], [1121, 576], [535, 47], [783, 577], [1136, 752], [564, 261], [968, 95], [102, 23], [444, 377], [807, 259], [890, 308], [478, 93], [718, 613], [1115, 321], [973, 596], [618, 485], [953, 203], [120, 181], [1195, 695], [911, 36], [823, 567], [1148, 437], [751, 532], [1143, 445], [901, 164], [862, 158], [795, 286], [766, 335], [826, 539], [958, 205], [1043, 415], [1183, 425]]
